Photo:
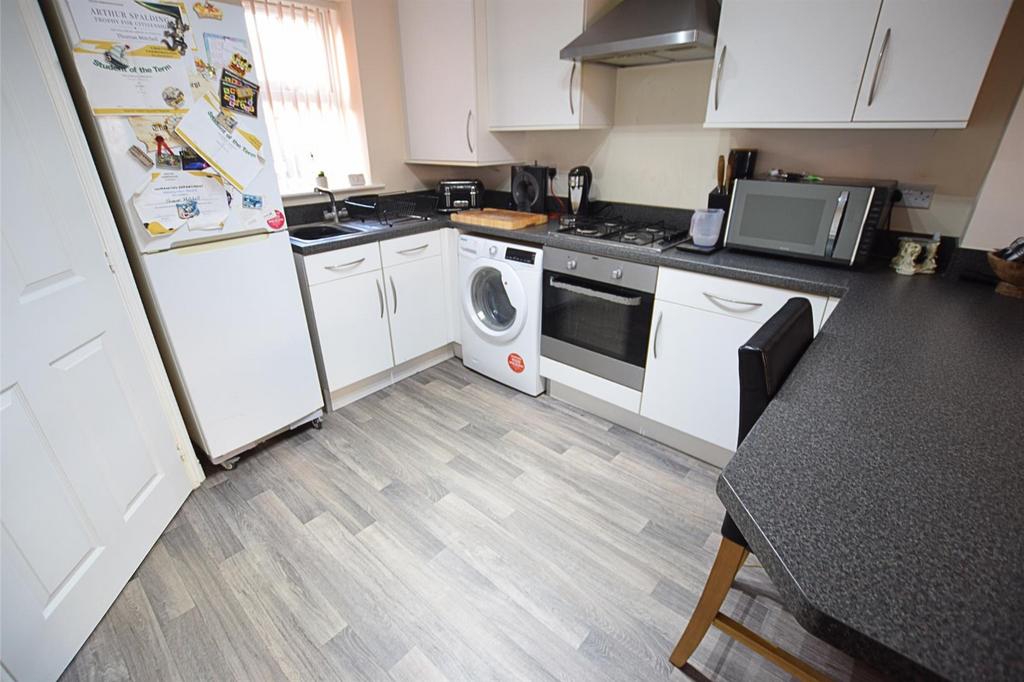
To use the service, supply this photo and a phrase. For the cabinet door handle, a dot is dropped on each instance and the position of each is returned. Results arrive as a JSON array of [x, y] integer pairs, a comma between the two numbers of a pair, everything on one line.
[[657, 332], [342, 266], [413, 249], [715, 299], [394, 294], [718, 73], [380, 297], [572, 75], [878, 65], [469, 143]]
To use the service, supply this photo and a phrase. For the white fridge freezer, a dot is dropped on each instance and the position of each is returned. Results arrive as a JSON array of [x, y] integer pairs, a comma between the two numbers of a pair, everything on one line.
[[223, 297], [238, 337]]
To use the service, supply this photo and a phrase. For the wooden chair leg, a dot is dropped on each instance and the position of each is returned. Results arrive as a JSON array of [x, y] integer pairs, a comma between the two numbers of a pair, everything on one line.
[[727, 564]]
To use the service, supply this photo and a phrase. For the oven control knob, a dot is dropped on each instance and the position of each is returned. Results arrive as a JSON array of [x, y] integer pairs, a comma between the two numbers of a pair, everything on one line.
[[571, 264], [617, 273], [493, 250]]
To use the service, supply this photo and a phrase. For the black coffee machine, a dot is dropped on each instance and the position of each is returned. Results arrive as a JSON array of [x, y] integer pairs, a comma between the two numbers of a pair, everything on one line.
[[580, 178]]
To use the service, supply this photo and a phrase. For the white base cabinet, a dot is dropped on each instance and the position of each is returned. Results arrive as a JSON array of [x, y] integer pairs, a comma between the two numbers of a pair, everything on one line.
[[700, 322], [374, 307], [417, 307]]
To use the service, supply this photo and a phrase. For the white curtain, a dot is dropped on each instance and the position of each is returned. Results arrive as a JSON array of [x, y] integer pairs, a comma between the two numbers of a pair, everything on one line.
[[299, 50]]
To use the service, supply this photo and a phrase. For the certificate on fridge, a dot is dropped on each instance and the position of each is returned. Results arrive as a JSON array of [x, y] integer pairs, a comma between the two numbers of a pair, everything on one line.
[[217, 137], [121, 82], [174, 199], [134, 23]]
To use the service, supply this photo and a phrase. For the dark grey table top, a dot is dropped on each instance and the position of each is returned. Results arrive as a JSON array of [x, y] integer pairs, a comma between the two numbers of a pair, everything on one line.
[[883, 488]]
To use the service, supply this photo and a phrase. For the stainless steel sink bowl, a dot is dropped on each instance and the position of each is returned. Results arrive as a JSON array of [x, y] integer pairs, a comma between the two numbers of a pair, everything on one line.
[[307, 234]]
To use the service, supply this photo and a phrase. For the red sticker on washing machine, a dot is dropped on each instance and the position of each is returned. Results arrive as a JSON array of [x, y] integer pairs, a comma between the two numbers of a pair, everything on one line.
[[515, 363], [275, 219]]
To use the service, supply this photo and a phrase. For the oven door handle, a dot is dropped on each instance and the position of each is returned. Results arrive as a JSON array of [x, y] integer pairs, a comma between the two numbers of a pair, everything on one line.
[[594, 293]]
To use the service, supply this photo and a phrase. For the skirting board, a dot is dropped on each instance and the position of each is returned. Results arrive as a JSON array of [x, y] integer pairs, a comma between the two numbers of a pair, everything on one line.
[[701, 449], [361, 389]]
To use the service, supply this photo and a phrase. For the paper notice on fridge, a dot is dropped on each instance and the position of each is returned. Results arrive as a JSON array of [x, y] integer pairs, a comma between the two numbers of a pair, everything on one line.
[[216, 136], [135, 23], [122, 82], [176, 199]]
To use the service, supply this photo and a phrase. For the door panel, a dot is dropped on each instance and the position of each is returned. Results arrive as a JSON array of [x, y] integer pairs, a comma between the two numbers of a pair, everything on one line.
[[825, 46], [692, 381], [352, 325], [416, 308], [934, 59], [90, 473], [438, 65]]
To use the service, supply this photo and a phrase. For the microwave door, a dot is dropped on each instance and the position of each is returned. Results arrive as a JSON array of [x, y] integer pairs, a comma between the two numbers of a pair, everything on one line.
[[784, 218]]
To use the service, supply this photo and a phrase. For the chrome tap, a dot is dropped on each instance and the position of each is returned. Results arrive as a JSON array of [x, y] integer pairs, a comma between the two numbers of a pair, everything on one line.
[[331, 215]]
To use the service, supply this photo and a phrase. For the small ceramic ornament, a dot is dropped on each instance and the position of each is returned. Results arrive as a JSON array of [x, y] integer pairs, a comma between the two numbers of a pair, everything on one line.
[[928, 264], [904, 260]]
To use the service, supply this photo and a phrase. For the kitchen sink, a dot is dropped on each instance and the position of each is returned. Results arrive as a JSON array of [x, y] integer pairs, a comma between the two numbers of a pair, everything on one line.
[[316, 232]]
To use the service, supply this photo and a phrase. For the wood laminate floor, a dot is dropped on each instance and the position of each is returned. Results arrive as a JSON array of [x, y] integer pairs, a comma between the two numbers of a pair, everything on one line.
[[447, 528]]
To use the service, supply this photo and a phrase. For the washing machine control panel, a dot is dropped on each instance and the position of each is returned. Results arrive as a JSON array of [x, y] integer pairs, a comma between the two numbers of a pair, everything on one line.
[[520, 256]]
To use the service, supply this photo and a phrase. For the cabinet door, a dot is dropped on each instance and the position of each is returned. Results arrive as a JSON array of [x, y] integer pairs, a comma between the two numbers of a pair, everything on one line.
[[789, 61], [692, 378], [352, 326], [530, 87], [928, 59], [417, 307], [439, 68]]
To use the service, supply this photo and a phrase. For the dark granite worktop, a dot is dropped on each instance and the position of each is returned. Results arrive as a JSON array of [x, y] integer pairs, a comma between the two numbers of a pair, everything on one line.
[[883, 488]]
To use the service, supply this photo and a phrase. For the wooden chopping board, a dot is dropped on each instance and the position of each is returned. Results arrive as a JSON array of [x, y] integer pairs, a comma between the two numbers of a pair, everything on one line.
[[499, 218]]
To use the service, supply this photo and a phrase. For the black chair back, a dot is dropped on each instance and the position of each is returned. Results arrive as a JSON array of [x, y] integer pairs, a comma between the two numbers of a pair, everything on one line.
[[769, 356]]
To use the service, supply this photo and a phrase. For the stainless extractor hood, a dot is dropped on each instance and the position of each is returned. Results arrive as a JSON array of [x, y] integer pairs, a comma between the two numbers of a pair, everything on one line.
[[640, 32]]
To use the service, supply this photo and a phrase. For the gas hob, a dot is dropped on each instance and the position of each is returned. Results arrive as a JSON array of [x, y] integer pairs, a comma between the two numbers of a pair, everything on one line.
[[656, 236]]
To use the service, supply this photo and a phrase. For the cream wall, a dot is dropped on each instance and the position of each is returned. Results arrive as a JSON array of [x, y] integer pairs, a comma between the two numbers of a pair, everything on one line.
[[997, 219], [659, 153]]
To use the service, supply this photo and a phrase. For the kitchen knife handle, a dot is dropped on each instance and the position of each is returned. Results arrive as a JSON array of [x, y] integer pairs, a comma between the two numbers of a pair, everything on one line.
[[380, 298], [657, 333], [572, 76], [718, 73], [469, 143], [878, 65], [394, 294]]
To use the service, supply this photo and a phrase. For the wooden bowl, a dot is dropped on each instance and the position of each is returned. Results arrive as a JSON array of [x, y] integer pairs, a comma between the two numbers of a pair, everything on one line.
[[1010, 274]]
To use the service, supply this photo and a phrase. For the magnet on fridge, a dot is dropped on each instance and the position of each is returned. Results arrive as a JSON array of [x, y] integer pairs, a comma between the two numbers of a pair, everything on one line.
[[275, 219], [191, 161], [252, 201], [140, 156], [207, 10], [239, 64]]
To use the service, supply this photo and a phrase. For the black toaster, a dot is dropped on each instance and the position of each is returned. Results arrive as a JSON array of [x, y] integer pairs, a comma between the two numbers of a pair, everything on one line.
[[456, 195]]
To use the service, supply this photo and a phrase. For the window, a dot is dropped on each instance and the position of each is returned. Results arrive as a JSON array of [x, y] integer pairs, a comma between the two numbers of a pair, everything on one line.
[[310, 90]]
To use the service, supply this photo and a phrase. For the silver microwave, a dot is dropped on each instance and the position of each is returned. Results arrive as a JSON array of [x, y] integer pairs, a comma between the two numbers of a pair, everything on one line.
[[834, 220]]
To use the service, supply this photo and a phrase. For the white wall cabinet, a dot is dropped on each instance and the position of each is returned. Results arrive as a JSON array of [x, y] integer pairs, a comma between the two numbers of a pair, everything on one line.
[[444, 68], [692, 379], [928, 59], [530, 87], [851, 63]]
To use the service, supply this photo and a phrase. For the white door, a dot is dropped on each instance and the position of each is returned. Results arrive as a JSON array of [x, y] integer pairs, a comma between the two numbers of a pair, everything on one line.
[[494, 301], [439, 68], [416, 307], [352, 326], [789, 61], [90, 471], [928, 59], [692, 378], [233, 314], [531, 87]]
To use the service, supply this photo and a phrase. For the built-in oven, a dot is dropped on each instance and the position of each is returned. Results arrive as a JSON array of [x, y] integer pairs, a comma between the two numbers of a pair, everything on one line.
[[597, 314]]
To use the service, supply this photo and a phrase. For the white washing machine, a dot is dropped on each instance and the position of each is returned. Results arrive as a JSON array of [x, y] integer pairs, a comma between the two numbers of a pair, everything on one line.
[[500, 292]]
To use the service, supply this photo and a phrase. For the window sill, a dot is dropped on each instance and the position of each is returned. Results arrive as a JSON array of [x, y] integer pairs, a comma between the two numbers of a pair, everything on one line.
[[312, 197]]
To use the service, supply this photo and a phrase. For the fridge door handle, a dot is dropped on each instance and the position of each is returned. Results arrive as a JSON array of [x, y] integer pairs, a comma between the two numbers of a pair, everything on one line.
[[380, 297], [394, 294]]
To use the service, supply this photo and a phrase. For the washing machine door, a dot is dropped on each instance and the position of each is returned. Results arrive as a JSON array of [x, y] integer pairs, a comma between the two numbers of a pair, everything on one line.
[[494, 301]]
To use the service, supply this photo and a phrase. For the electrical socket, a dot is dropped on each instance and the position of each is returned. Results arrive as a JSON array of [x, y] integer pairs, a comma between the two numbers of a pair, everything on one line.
[[916, 196]]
